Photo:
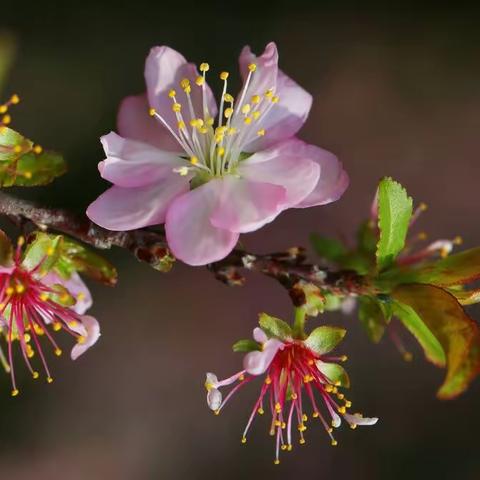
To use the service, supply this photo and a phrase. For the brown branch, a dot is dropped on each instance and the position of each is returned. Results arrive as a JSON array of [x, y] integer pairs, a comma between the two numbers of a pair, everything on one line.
[[289, 268]]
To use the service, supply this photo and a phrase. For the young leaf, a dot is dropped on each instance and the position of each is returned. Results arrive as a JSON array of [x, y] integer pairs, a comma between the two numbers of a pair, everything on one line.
[[74, 256], [246, 345], [44, 249], [324, 339], [394, 213], [457, 269], [335, 373], [414, 324], [372, 318], [274, 327], [328, 248], [455, 331], [22, 164]]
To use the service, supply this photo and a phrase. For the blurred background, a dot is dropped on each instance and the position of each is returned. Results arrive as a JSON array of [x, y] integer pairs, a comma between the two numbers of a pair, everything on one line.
[[396, 92]]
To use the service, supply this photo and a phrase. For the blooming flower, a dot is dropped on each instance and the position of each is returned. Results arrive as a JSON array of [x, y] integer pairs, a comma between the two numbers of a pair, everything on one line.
[[209, 183], [295, 370], [33, 300]]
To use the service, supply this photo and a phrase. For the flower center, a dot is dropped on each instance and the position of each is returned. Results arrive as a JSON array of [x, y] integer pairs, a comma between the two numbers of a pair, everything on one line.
[[215, 151]]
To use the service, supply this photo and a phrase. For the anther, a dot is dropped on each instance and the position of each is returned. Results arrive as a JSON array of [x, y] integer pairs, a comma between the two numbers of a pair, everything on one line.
[[35, 375], [302, 441], [6, 119], [224, 75], [185, 83], [244, 440], [37, 149], [246, 108], [276, 461], [228, 98], [172, 93], [14, 99], [247, 120], [256, 115], [334, 443], [252, 67], [261, 411], [49, 379], [199, 81], [228, 112], [176, 107], [353, 426], [221, 151], [19, 288], [17, 149], [194, 160], [15, 392], [275, 99], [81, 339], [152, 112], [343, 358], [58, 352], [278, 407], [256, 99], [268, 380], [204, 67], [261, 132], [57, 326], [342, 410]]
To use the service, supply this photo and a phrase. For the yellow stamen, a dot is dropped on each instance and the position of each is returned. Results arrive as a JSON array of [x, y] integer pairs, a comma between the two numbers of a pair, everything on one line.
[[224, 75], [252, 67]]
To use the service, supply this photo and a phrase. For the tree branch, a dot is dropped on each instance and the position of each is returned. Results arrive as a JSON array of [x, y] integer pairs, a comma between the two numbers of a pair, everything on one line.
[[289, 268]]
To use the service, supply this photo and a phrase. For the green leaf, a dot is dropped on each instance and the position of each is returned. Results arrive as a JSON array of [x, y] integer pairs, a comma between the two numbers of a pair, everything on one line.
[[13, 145], [22, 164], [246, 345], [414, 324], [394, 213], [373, 317], [74, 256], [335, 373], [6, 249], [457, 269], [274, 327], [328, 248], [44, 249], [324, 339], [455, 331]]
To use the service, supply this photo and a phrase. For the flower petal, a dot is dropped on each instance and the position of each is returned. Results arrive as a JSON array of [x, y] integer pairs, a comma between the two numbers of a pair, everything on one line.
[[165, 68], [256, 363], [259, 335], [214, 399], [284, 165], [286, 117], [190, 234], [134, 121], [75, 286], [358, 419], [134, 164], [265, 76], [128, 208], [90, 332], [333, 179], [245, 205]]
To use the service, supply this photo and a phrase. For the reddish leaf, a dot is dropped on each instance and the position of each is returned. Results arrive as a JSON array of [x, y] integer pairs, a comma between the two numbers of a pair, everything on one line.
[[456, 332]]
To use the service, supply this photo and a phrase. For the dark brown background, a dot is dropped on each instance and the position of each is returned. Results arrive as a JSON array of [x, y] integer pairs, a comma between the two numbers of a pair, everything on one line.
[[396, 93]]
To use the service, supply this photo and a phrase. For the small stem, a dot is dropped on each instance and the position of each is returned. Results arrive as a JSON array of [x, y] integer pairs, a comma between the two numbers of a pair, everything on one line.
[[299, 323]]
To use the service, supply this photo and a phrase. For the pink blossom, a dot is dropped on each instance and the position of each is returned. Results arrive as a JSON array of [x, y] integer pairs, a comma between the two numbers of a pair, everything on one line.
[[294, 372], [209, 183], [33, 302]]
